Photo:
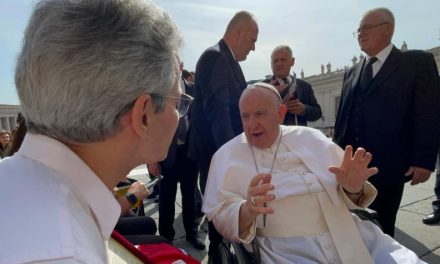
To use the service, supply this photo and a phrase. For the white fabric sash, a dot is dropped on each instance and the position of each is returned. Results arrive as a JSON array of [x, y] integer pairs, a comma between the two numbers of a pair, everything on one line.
[[312, 214]]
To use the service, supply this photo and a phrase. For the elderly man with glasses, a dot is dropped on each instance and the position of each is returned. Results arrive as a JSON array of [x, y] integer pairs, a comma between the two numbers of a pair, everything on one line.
[[98, 83], [389, 106]]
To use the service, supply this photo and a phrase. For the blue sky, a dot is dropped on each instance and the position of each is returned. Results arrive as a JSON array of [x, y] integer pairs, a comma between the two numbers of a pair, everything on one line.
[[318, 31]]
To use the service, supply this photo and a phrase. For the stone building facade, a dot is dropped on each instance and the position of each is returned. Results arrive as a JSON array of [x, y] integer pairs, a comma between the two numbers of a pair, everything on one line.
[[327, 87], [8, 116]]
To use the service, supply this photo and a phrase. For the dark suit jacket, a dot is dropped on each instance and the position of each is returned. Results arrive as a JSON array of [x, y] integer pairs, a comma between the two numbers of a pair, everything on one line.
[[172, 151], [305, 94], [216, 118], [401, 114]]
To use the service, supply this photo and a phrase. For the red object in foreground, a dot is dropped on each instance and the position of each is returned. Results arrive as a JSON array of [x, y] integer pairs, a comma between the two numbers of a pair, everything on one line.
[[159, 253]]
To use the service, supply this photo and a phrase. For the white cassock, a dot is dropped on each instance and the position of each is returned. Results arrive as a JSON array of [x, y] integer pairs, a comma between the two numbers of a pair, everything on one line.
[[311, 222]]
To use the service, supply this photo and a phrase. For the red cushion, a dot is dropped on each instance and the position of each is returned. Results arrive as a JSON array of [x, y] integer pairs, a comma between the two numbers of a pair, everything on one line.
[[164, 253], [159, 253]]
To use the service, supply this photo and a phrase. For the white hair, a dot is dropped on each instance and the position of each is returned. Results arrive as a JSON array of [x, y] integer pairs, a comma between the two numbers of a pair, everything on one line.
[[84, 63], [282, 47], [384, 12]]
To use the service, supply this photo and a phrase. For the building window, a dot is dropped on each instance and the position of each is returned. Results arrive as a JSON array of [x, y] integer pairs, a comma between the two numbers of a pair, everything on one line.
[[11, 122], [3, 125]]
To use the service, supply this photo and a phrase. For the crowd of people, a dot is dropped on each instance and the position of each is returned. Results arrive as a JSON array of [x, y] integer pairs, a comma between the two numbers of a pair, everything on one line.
[[102, 90]]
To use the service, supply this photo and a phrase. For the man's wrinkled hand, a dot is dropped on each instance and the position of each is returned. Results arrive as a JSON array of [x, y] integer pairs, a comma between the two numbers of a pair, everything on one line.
[[295, 107], [353, 171], [419, 175], [139, 189], [257, 195]]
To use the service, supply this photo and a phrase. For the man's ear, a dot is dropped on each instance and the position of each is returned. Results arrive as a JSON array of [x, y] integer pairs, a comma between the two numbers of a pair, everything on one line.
[[141, 113], [389, 31], [293, 61], [282, 113]]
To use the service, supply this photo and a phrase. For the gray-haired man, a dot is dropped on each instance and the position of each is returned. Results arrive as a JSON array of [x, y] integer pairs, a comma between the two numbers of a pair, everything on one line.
[[99, 88]]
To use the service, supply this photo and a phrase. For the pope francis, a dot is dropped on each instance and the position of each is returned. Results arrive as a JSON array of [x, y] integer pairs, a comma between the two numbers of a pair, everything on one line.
[[291, 188]]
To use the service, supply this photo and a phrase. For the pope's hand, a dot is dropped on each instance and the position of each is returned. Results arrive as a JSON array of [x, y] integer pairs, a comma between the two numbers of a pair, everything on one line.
[[257, 195], [353, 171]]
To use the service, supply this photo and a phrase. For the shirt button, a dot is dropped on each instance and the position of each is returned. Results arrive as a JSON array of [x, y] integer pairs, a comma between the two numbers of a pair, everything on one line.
[[328, 247], [356, 138], [333, 261], [309, 183]]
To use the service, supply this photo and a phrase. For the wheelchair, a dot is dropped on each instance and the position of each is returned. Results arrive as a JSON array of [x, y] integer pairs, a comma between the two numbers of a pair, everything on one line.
[[236, 253]]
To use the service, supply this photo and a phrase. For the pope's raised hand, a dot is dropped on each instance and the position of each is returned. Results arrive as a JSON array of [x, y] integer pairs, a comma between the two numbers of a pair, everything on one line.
[[352, 173]]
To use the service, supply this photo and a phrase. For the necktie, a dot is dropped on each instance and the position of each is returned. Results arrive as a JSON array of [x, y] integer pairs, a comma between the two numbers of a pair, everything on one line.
[[367, 74]]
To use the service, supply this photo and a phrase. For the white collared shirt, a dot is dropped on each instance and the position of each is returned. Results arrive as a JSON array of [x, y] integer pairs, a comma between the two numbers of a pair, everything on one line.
[[54, 208], [381, 57]]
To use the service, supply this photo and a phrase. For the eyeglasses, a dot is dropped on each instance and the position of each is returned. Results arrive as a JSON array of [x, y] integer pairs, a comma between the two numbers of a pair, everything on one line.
[[182, 103], [367, 29]]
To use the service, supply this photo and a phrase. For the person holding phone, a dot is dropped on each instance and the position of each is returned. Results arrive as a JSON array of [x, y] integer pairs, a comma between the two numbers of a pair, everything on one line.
[[131, 223], [297, 94]]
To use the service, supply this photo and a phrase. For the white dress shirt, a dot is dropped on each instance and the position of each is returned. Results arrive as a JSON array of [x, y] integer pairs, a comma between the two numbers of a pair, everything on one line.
[[54, 208], [381, 58], [300, 169]]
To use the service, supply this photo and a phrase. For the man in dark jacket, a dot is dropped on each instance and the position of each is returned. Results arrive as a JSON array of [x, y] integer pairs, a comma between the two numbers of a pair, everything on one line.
[[297, 94], [218, 85], [389, 106]]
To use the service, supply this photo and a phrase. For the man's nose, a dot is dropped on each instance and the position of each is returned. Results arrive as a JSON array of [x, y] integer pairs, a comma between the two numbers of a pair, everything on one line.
[[252, 122]]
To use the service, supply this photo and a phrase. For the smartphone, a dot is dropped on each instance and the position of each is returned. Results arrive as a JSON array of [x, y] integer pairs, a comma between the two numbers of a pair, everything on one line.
[[156, 180]]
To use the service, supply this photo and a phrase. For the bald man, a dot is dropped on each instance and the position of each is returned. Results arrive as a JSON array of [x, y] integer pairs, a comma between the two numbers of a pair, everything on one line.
[[218, 85]]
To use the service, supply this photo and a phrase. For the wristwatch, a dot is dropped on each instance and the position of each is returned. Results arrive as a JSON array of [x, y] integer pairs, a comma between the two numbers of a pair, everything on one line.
[[131, 198]]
